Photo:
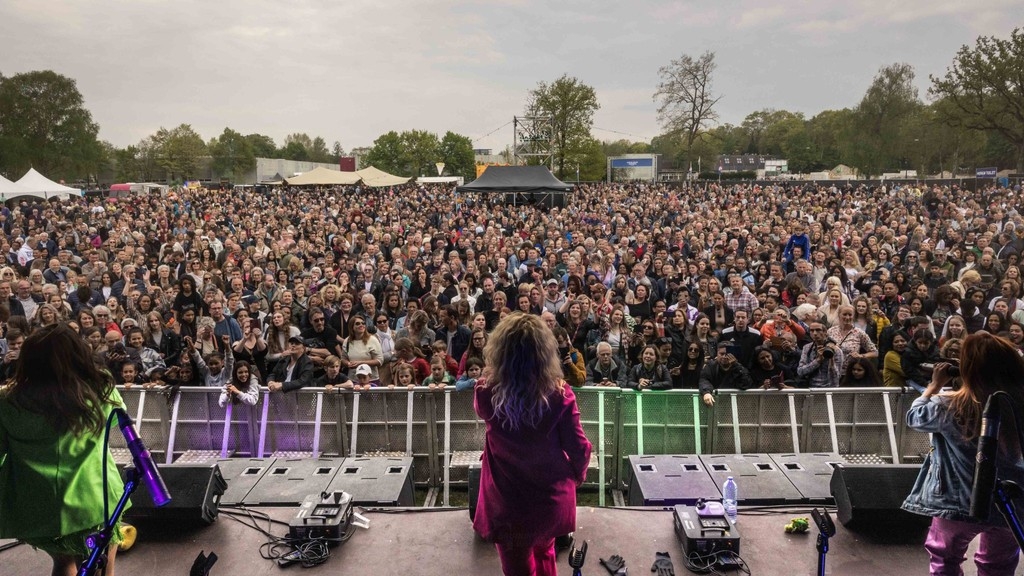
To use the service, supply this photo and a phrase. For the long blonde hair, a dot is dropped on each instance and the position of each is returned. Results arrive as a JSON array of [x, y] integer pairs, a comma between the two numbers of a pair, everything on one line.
[[522, 370]]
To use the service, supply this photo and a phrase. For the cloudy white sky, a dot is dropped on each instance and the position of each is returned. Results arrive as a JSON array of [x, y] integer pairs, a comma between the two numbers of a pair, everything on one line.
[[350, 70]]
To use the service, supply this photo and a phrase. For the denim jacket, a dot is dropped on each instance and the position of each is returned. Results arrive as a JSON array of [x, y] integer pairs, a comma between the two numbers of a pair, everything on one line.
[[943, 487]]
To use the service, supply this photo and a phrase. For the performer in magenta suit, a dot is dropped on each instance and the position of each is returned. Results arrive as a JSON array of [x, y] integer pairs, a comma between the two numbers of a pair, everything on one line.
[[535, 454]]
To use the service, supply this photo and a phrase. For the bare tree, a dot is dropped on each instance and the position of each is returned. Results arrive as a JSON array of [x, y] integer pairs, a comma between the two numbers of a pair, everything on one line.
[[685, 101]]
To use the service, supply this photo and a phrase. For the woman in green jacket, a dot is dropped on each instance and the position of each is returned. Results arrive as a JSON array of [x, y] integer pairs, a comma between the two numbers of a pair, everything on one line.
[[52, 418]]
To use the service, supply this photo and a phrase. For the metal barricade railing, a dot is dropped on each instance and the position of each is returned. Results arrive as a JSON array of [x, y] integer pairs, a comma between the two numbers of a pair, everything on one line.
[[290, 423], [599, 415], [657, 422], [459, 436], [389, 422], [756, 421], [443, 434], [152, 413]]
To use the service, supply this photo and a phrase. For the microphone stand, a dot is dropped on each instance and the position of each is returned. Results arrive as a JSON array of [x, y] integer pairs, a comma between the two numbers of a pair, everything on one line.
[[826, 529], [99, 541], [1005, 492]]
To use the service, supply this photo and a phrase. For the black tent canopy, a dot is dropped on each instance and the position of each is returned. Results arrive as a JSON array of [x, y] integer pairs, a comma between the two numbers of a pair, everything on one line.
[[521, 185]]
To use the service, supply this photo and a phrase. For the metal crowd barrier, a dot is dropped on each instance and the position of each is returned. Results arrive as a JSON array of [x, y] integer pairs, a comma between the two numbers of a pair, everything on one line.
[[442, 433]]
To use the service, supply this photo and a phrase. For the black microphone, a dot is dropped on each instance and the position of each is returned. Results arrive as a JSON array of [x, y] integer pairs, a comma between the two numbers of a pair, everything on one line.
[[144, 464], [985, 466]]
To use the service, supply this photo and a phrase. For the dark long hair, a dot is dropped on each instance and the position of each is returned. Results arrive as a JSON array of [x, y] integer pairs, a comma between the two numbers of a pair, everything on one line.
[[55, 376], [871, 376]]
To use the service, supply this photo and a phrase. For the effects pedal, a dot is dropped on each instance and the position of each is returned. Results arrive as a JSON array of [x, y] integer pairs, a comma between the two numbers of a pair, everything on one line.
[[322, 515], [705, 529]]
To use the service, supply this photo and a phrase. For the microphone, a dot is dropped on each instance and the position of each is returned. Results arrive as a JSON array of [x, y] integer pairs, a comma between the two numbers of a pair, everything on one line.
[[985, 467], [144, 464]]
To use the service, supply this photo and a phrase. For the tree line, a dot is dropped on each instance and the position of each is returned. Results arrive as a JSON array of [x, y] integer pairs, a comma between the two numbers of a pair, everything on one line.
[[974, 117], [177, 154]]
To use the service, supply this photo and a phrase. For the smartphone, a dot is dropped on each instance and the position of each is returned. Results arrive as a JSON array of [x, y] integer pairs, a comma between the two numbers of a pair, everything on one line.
[[734, 350]]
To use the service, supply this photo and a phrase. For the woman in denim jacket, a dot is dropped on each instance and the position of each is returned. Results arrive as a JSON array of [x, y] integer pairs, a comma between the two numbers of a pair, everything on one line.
[[943, 487]]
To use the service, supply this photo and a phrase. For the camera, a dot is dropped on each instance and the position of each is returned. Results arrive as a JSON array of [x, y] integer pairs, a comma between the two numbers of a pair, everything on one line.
[[827, 353], [952, 369]]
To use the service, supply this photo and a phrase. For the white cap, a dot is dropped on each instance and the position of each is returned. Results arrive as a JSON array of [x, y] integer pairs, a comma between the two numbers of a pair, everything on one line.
[[363, 369]]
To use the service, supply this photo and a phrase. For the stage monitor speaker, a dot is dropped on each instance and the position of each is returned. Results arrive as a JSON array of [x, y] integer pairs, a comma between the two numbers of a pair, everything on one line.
[[289, 480], [760, 480], [869, 496], [811, 473], [667, 480], [376, 481], [195, 495], [242, 474]]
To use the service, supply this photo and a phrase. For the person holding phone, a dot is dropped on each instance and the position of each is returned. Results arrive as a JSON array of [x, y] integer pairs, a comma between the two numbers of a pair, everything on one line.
[[767, 374], [723, 371], [953, 420], [574, 368]]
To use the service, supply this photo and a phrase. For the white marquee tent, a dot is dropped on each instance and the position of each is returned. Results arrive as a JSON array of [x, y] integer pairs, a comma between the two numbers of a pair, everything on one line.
[[378, 178], [9, 189], [325, 177], [42, 187]]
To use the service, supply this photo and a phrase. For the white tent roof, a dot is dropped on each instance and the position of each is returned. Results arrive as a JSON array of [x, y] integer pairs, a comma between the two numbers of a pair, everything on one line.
[[321, 176], [42, 187], [9, 189], [377, 178]]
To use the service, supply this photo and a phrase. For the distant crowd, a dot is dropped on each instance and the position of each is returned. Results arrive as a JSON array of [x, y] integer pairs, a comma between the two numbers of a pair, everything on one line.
[[646, 286]]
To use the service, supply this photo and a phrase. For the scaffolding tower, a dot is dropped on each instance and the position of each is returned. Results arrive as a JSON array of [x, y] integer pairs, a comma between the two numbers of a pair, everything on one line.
[[533, 138]]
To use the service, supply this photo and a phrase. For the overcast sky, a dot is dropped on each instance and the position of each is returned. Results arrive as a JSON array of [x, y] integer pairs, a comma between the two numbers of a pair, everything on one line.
[[350, 70]]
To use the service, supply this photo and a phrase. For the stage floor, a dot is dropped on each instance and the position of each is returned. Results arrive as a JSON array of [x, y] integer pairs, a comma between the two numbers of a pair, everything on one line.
[[433, 541]]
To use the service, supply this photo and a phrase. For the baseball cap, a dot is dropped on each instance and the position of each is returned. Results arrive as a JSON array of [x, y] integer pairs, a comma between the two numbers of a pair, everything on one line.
[[551, 282], [363, 370], [296, 340]]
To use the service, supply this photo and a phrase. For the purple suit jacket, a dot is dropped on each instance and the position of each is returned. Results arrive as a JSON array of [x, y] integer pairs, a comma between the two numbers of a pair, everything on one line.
[[528, 478]]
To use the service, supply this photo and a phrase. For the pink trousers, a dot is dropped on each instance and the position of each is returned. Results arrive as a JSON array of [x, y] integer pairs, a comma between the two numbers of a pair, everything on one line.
[[947, 544], [538, 560]]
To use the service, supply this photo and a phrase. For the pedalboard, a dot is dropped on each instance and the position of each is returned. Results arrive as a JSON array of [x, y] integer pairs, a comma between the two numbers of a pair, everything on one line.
[[705, 529]]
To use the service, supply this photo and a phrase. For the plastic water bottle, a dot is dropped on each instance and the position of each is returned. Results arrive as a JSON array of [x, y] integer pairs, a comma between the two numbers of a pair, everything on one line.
[[729, 498]]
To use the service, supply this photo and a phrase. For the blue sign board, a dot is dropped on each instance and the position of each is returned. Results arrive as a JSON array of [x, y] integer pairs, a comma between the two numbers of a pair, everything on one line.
[[632, 162], [987, 172]]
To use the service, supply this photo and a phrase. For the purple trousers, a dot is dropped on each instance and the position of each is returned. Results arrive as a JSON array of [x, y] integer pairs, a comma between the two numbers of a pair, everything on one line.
[[947, 544], [538, 560]]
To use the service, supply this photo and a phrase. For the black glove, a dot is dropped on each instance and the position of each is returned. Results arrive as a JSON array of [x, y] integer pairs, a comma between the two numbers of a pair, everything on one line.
[[615, 565], [663, 564]]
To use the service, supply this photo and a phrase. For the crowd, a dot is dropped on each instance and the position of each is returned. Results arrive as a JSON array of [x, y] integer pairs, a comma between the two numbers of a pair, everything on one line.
[[645, 286]]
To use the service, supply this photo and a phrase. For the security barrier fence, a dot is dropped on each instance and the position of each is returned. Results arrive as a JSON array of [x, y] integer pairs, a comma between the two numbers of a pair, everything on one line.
[[442, 433]]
